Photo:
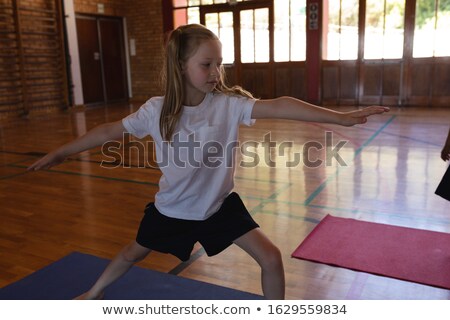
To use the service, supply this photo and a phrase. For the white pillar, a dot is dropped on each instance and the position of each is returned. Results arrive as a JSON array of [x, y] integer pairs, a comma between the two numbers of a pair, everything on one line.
[[72, 40]]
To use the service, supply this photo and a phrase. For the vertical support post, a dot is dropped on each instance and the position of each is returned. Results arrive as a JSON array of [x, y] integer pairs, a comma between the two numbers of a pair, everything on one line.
[[23, 80], [313, 51], [62, 44]]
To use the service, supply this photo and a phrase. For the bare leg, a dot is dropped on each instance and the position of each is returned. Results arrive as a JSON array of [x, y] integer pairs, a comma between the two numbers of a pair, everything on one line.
[[268, 256], [125, 259]]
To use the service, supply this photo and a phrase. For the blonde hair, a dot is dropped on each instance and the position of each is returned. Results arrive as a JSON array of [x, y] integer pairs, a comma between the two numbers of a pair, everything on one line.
[[182, 44]]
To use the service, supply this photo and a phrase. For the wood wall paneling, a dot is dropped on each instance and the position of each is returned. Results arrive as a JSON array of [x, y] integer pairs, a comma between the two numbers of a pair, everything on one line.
[[282, 81], [256, 79], [330, 84], [441, 80], [230, 74], [371, 83], [298, 81], [339, 82], [391, 82], [441, 83], [421, 79], [290, 79], [348, 83]]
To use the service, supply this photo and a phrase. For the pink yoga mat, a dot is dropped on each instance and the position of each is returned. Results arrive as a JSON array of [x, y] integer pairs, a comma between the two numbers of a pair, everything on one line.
[[403, 253]]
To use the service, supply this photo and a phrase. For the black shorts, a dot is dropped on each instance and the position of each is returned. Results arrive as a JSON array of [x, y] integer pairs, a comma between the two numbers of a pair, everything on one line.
[[176, 236], [443, 188]]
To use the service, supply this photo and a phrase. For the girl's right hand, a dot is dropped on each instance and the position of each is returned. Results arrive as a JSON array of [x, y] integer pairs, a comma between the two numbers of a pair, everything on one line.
[[445, 153], [51, 159]]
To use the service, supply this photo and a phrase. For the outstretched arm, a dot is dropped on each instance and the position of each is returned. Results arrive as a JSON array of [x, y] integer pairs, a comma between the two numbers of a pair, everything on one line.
[[445, 153], [94, 138], [294, 109]]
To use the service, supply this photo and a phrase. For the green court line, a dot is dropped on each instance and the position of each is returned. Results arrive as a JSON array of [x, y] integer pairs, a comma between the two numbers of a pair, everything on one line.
[[258, 180], [266, 201], [365, 144], [123, 180], [272, 197], [16, 162], [93, 176], [12, 176], [323, 185], [406, 137], [82, 159], [15, 174], [291, 216]]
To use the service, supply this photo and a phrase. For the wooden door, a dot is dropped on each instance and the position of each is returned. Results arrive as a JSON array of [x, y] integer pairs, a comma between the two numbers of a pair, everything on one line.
[[90, 62], [113, 58], [102, 59]]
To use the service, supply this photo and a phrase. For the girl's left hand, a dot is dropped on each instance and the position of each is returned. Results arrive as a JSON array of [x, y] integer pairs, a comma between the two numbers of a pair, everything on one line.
[[360, 116]]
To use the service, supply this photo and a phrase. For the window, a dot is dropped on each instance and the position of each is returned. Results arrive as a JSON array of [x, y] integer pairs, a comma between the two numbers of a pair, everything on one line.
[[188, 11], [384, 29], [222, 25], [255, 35], [254, 28], [290, 30], [432, 24], [185, 15], [340, 29]]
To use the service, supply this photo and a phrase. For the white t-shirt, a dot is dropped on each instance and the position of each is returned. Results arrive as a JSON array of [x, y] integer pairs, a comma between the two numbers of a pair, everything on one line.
[[198, 166]]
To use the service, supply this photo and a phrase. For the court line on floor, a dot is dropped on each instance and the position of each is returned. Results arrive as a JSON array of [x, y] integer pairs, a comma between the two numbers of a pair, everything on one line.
[[259, 180], [351, 139], [408, 217], [92, 176], [125, 165], [78, 159], [357, 288], [15, 174], [12, 176], [405, 137], [263, 202], [323, 185], [81, 159], [291, 216]]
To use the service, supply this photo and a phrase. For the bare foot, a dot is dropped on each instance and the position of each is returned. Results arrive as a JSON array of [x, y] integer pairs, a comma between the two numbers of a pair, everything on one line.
[[89, 296]]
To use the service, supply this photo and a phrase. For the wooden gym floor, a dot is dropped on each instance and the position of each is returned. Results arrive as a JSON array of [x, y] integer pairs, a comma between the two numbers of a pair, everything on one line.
[[392, 167]]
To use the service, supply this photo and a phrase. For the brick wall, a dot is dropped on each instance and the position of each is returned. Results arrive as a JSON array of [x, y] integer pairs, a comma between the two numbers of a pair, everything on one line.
[[112, 7], [32, 77], [145, 25]]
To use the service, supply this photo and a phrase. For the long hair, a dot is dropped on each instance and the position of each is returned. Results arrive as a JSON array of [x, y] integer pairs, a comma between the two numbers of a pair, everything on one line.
[[182, 44]]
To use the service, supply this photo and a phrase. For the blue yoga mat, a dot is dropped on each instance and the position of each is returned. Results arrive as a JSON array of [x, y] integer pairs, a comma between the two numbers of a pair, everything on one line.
[[75, 273]]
